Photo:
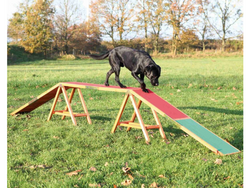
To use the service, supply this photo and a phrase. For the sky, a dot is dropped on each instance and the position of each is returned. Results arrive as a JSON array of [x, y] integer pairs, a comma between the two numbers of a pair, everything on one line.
[[12, 6]]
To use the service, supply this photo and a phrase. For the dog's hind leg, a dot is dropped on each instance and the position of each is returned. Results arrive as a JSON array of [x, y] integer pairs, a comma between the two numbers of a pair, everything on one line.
[[111, 71], [117, 73], [115, 63]]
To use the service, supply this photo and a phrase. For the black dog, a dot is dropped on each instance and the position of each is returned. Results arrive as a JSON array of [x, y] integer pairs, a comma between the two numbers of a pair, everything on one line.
[[138, 62]]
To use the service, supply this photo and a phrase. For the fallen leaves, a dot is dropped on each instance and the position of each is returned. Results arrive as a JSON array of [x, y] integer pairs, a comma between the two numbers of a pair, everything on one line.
[[73, 173], [126, 182], [162, 176], [214, 100], [39, 166], [125, 169], [190, 85], [93, 169], [153, 185], [94, 185], [218, 161], [237, 103]]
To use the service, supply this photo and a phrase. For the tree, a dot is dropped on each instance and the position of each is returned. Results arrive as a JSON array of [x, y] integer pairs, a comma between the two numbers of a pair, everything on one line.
[[85, 38], [38, 27], [188, 39], [203, 27], [180, 13], [228, 12], [157, 19], [103, 13], [66, 19], [124, 15], [16, 23], [142, 18], [113, 17]]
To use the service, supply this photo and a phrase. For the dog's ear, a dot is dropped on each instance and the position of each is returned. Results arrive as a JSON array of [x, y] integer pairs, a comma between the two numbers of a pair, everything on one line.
[[148, 68], [159, 68]]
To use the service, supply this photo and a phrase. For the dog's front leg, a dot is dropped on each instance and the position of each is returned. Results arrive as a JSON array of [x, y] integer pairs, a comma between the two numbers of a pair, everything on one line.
[[140, 80]]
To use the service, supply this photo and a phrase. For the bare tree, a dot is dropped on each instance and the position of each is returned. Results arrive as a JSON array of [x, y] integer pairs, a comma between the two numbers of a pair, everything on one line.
[[180, 12], [203, 27], [228, 12], [142, 18], [67, 17]]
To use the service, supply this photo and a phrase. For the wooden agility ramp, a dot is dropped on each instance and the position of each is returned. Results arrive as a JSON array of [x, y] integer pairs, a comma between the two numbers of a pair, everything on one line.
[[156, 103]]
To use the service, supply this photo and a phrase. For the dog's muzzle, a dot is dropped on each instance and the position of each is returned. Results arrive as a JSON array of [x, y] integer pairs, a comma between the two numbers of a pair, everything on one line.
[[154, 83]]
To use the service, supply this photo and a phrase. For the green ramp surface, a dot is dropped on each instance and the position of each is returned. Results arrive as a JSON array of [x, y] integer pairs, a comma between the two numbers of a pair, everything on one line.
[[207, 136]]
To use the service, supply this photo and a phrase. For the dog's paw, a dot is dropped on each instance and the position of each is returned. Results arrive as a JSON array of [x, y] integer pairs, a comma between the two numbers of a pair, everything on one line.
[[106, 84], [122, 86], [145, 90]]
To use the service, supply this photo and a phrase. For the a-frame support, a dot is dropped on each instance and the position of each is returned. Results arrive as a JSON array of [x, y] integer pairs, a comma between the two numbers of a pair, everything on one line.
[[68, 109], [131, 124]]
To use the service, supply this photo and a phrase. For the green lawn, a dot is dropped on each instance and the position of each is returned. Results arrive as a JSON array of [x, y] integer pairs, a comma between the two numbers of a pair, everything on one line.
[[41, 153]]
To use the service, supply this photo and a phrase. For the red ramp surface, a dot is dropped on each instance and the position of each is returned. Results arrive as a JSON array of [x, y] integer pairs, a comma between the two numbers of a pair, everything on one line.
[[160, 105]]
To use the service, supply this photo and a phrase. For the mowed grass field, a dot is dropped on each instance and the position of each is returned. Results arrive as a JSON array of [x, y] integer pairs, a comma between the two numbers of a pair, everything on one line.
[[43, 154]]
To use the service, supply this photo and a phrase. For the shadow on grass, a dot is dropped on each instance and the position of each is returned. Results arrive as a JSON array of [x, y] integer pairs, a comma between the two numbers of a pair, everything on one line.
[[100, 118], [238, 139], [219, 110]]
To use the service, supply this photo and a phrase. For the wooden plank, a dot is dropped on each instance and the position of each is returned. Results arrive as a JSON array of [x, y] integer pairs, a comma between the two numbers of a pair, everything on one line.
[[84, 105], [134, 114], [70, 99], [145, 133], [159, 124], [97, 87], [37, 101], [66, 113], [68, 104], [54, 103], [118, 118], [136, 126]]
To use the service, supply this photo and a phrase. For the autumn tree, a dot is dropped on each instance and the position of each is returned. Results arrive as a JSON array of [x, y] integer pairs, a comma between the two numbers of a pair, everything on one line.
[[65, 23], [15, 27], [188, 39], [38, 27], [103, 14], [142, 18], [113, 17], [228, 12], [85, 38], [157, 17], [180, 13], [15, 30]]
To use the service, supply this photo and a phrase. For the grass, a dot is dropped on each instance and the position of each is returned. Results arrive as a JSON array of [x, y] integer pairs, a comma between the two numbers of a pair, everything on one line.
[[41, 153]]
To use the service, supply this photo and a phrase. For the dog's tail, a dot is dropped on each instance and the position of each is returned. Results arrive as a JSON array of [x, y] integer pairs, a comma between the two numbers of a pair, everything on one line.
[[99, 57]]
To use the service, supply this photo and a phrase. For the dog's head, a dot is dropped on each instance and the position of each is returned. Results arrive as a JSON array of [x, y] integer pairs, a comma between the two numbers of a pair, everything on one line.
[[153, 72]]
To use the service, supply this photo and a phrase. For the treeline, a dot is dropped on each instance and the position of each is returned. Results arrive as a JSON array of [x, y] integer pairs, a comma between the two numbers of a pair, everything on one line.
[[165, 26]]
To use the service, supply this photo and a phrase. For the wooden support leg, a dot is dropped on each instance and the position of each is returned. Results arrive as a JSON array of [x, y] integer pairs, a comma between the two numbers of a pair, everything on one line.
[[70, 99], [68, 104], [145, 133], [120, 113], [134, 114], [54, 103], [84, 105], [159, 124]]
